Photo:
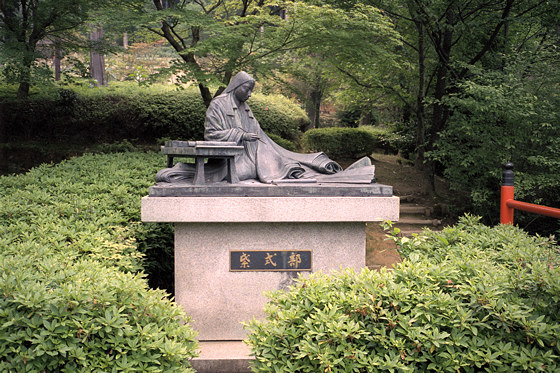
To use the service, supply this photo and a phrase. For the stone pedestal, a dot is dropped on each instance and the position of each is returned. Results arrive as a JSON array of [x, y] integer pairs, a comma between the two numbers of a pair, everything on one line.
[[207, 229]]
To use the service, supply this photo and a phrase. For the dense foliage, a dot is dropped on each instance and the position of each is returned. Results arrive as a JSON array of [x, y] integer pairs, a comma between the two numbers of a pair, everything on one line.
[[215, 40], [343, 142], [73, 297], [286, 144], [108, 115], [447, 46], [506, 116], [27, 27], [278, 115], [469, 299]]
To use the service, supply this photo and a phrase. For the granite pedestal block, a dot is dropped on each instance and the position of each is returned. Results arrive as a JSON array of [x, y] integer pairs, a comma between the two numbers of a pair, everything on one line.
[[207, 229]]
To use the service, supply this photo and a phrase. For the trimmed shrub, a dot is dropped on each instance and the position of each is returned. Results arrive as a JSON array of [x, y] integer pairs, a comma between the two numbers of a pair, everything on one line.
[[105, 116], [341, 142], [468, 299], [501, 116], [279, 116], [286, 144], [350, 117], [82, 316], [73, 296], [146, 114]]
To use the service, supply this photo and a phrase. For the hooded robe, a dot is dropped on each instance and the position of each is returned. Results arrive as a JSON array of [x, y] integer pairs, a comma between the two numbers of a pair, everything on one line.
[[262, 160]]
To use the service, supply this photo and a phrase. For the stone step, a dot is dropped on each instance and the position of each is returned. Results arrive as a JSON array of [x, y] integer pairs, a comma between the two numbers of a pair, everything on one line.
[[406, 221], [407, 209], [413, 218], [410, 232], [222, 357]]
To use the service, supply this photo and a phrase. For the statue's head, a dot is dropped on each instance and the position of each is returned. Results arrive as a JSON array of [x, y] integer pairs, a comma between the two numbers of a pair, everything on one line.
[[243, 92], [241, 85]]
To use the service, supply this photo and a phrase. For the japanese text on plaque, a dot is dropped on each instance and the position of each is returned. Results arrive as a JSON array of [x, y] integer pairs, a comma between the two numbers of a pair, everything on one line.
[[270, 260]]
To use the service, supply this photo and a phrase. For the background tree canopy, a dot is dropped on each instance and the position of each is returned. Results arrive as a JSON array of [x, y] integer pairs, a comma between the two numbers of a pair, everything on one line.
[[470, 84], [26, 24]]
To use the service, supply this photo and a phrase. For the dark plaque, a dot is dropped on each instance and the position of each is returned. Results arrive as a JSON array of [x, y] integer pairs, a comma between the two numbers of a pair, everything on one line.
[[269, 260]]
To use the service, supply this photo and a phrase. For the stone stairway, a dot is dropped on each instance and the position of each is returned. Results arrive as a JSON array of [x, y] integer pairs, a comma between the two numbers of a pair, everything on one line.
[[414, 216]]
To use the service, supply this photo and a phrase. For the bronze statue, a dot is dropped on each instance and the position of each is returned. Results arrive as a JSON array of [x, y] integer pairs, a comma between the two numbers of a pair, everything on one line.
[[230, 119]]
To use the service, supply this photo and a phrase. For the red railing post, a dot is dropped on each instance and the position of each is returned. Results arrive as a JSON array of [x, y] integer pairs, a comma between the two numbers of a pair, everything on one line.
[[507, 194]]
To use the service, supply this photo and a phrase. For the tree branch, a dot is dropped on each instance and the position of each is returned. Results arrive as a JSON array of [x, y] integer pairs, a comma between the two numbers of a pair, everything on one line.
[[178, 36], [214, 7], [529, 9], [490, 41], [396, 15], [372, 86], [154, 31], [201, 4], [6, 19], [408, 44]]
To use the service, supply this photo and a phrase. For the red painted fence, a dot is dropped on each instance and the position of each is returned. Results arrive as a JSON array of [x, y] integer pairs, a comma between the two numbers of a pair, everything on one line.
[[508, 204]]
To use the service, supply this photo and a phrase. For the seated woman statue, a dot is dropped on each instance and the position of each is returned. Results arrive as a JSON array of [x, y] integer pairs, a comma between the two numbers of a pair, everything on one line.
[[230, 119]]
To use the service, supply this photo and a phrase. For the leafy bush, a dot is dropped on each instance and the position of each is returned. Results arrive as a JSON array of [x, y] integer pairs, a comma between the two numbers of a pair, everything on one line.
[[279, 116], [113, 114], [388, 139], [346, 142], [286, 144], [73, 297], [504, 116], [351, 116], [468, 299], [82, 316]]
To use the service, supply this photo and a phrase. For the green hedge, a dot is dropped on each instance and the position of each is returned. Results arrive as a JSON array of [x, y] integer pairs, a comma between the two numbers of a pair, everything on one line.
[[111, 114], [73, 296], [469, 299], [286, 144], [343, 142], [279, 116]]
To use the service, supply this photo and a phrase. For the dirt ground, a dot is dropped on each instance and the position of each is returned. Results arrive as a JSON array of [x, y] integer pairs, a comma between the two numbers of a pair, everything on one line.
[[408, 183]]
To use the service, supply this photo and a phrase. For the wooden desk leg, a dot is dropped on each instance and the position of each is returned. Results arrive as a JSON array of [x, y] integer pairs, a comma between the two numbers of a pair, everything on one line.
[[231, 171], [199, 177]]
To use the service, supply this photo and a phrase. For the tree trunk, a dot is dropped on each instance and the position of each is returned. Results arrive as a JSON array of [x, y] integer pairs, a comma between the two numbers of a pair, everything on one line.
[[313, 108], [23, 90], [366, 117], [25, 76], [440, 111], [420, 126], [2, 126], [56, 59], [97, 60], [227, 78], [205, 93]]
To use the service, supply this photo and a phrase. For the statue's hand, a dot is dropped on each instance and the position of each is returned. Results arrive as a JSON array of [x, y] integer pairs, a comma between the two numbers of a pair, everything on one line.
[[248, 136]]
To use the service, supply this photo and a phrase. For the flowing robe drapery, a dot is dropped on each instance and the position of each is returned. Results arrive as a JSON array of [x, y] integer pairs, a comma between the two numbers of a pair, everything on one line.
[[262, 160]]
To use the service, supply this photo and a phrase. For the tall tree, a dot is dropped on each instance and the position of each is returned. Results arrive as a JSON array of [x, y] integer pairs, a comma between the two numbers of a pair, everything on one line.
[[215, 38], [24, 23], [461, 36], [442, 39], [352, 49], [308, 77], [507, 109], [96, 56]]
